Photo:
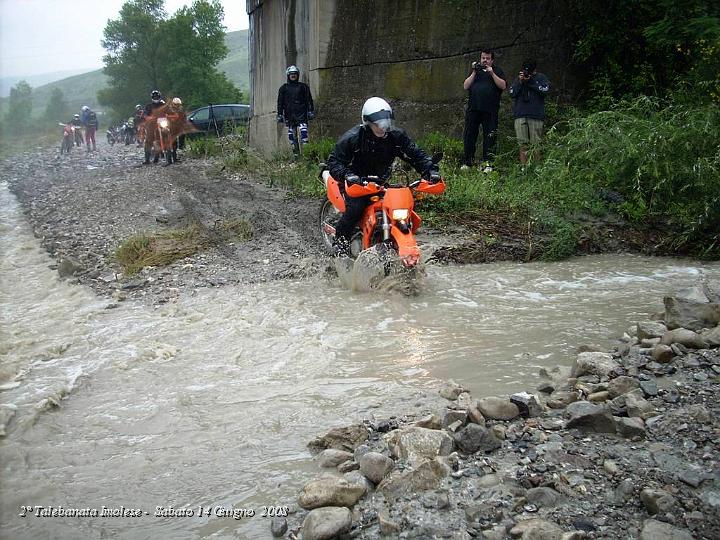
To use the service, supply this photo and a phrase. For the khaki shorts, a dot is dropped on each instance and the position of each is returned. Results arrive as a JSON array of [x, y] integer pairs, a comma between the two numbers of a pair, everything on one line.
[[528, 130]]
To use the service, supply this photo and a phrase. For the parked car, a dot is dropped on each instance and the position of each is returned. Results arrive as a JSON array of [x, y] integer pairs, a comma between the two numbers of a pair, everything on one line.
[[226, 115]]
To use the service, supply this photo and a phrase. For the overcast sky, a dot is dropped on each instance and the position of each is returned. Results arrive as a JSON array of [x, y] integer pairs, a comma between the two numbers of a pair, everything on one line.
[[43, 36]]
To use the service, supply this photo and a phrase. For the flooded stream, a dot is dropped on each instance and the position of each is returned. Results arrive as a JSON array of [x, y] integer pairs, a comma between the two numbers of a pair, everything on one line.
[[209, 402]]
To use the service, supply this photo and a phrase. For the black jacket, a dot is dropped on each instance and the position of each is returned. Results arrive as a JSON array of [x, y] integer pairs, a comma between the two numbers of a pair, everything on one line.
[[529, 97], [359, 152], [294, 101]]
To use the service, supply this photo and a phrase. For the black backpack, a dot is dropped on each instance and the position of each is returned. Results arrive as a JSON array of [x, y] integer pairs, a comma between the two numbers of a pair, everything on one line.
[[92, 119]]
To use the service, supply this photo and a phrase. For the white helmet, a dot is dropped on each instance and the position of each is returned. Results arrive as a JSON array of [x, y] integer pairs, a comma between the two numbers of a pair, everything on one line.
[[292, 69], [177, 101], [85, 108], [377, 111]]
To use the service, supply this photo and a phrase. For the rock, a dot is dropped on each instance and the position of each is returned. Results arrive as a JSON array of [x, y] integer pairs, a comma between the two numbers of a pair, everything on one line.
[[528, 404], [332, 458], [593, 363], [452, 416], [415, 444], [499, 431], [431, 421], [360, 451], [68, 267], [465, 400], [657, 530], [599, 397], [657, 501], [650, 329], [278, 527], [451, 390], [475, 416], [630, 428], [330, 491], [348, 466], [427, 475], [356, 478], [638, 406], [375, 466], [685, 337], [589, 418], [326, 523], [544, 497], [345, 438], [690, 314], [497, 408], [474, 438], [649, 388], [623, 491], [621, 385], [387, 526], [537, 529], [562, 398], [611, 467], [545, 388], [712, 337]]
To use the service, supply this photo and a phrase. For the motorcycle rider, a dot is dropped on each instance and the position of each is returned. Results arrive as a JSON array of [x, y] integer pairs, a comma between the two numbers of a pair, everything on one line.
[[138, 117], [90, 121], [77, 124], [369, 150], [295, 107], [156, 101]]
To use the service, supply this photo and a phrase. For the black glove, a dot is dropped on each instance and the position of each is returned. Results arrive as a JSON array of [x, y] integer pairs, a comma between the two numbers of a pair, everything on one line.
[[311, 115], [280, 118], [352, 179], [432, 176]]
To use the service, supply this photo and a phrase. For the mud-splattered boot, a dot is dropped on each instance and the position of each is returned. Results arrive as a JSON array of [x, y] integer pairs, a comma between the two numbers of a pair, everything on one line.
[[147, 158]]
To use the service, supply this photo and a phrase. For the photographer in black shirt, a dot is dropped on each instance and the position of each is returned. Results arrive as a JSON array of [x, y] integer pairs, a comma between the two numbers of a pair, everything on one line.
[[484, 85]]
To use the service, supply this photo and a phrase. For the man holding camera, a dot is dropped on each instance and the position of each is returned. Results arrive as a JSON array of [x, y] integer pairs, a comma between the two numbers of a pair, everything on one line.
[[528, 93], [485, 85]]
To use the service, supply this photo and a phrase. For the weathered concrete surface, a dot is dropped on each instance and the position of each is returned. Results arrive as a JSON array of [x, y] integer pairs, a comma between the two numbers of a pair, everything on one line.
[[415, 54]]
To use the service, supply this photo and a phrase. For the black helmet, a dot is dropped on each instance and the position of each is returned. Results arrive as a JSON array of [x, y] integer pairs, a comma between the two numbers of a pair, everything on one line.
[[156, 96]]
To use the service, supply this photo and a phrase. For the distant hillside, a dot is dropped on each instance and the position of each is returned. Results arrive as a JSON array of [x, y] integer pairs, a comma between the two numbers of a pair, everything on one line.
[[82, 89], [6, 83]]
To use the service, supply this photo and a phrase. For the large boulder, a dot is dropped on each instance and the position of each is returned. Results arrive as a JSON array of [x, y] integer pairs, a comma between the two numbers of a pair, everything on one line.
[[685, 337], [345, 438], [428, 475], [657, 530], [375, 466], [475, 438], [416, 444], [326, 523], [589, 418], [593, 363], [497, 408], [690, 314], [650, 329], [330, 491]]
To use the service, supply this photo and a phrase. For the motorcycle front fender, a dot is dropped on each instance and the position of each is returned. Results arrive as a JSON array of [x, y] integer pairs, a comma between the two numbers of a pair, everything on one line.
[[408, 250]]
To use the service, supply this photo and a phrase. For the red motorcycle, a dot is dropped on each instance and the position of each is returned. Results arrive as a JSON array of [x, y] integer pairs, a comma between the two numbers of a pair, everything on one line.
[[388, 221]]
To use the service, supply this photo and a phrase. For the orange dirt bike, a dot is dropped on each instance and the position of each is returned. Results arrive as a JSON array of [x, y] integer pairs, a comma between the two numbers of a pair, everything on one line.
[[165, 137], [388, 222], [68, 137]]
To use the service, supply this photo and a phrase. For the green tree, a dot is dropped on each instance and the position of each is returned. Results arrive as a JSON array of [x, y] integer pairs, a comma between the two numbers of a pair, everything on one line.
[[17, 119], [176, 55], [57, 108], [649, 47]]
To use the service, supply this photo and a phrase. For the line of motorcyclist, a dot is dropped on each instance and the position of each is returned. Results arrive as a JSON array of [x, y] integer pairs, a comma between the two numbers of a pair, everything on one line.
[[131, 130]]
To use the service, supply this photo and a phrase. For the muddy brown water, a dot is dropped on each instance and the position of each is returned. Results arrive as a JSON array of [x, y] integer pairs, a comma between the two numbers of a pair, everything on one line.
[[208, 403]]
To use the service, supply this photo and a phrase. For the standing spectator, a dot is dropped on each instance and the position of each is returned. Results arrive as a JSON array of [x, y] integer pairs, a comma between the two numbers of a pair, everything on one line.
[[295, 107], [90, 121], [484, 85], [528, 93]]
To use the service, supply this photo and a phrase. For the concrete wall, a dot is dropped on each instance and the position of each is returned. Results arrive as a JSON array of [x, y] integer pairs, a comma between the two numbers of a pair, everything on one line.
[[414, 53]]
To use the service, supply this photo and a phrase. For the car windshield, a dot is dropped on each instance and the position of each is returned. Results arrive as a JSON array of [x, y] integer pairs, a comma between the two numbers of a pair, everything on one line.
[[202, 114]]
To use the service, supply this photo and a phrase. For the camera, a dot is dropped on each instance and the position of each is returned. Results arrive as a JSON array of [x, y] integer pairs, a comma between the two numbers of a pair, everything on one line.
[[479, 66], [527, 71]]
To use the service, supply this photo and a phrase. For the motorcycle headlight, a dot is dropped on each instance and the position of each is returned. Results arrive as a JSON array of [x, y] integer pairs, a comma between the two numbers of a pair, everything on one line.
[[400, 214], [163, 123]]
